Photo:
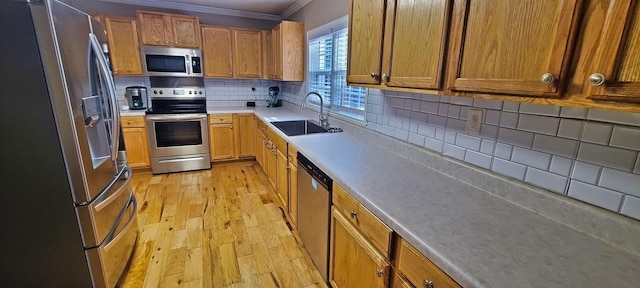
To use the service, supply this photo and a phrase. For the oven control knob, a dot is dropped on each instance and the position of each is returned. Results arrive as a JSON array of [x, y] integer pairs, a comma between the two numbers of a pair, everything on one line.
[[200, 92], [155, 91], [160, 92], [190, 92]]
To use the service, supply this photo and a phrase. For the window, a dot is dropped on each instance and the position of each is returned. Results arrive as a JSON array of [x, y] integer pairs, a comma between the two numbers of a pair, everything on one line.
[[327, 48]]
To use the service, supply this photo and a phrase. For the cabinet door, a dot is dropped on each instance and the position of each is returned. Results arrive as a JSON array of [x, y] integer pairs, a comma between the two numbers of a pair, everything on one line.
[[282, 178], [154, 28], [354, 262], [259, 148], [292, 42], [247, 53], [277, 51], [270, 162], [123, 46], [519, 47], [137, 145], [617, 58], [366, 26], [244, 135], [186, 31], [419, 43], [221, 141], [293, 192], [217, 52], [271, 55]]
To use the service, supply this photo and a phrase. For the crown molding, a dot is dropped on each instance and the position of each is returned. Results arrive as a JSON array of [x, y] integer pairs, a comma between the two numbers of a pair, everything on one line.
[[294, 8], [207, 9]]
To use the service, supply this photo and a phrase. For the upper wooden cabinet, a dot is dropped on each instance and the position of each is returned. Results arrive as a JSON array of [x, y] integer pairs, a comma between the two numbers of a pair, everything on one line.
[[616, 71], [166, 29], [518, 47], [366, 24], [285, 56], [247, 53], [217, 52], [122, 35]]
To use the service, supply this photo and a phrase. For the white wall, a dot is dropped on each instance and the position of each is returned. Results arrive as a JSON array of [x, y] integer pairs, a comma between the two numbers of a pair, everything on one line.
[[319, 12]]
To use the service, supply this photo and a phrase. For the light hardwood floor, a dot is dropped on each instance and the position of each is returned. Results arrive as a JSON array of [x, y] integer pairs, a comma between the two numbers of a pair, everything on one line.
[[214, 228]]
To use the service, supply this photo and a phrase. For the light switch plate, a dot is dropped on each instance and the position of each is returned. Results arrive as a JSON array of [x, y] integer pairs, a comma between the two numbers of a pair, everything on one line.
[[474, 120]]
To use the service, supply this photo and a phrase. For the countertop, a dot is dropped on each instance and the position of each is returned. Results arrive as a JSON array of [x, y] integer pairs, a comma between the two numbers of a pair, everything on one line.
[[477, 237]]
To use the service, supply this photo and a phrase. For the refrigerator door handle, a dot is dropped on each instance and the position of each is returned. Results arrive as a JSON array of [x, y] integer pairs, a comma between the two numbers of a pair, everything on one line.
[[111, 91], [112, 233], [125, 169]]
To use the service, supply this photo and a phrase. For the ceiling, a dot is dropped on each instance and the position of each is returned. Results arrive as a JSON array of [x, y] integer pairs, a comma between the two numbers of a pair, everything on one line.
[[260, 9]]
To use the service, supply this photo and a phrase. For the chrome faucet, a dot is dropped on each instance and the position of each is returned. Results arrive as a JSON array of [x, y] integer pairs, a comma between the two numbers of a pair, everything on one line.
[[324, 120]]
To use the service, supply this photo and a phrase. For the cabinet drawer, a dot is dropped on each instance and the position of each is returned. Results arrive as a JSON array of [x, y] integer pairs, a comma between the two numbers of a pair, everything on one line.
[[220, 118], [279, 142], [418, 269], [133, 121], [293, 155], [378, 233]]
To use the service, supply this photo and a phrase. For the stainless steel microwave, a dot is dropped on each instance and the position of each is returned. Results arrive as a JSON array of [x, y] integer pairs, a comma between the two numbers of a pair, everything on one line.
[[171, 62]]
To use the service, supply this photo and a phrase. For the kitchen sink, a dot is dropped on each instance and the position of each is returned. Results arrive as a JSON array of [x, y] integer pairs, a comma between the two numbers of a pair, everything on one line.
[[299, 127]]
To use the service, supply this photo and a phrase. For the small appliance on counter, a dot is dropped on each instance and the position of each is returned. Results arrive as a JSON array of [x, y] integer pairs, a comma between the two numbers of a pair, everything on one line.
[[137, 97], [273, 97]]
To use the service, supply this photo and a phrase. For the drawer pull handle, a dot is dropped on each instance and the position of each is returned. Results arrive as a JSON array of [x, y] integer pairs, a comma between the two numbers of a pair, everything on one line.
[[547, 79], [353, 214], [129, 122], [428, 284], [596, 79], [379, 272]]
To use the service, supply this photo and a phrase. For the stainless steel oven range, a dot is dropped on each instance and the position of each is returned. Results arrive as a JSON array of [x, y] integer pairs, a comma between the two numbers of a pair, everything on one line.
[[177, 127]]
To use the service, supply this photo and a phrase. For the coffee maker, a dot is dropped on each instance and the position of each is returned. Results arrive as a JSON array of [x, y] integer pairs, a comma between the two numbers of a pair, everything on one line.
[[273, 97], [136, 97]]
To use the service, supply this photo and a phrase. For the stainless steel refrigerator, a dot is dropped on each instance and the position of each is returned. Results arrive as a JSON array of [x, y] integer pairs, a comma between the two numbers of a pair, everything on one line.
[[68, 209]]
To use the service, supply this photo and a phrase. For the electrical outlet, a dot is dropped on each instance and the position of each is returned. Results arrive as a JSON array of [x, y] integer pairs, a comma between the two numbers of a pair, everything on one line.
[[474, 120]]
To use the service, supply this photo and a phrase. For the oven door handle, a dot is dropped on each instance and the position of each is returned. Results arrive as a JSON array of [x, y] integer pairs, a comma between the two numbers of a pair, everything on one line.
[[169, 117]]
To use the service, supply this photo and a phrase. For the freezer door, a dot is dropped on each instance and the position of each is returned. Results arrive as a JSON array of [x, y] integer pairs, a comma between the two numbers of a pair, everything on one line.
[[89, 100]]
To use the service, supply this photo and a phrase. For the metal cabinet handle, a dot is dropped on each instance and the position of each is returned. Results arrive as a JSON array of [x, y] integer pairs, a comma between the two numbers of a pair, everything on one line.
[[221, 119], [129, 122], [231, 127], [167, 42], [374, 75], [353, 214], [547, 79], [385, 77], [597, 79], [379, 272], [230, 73], [428, 284]]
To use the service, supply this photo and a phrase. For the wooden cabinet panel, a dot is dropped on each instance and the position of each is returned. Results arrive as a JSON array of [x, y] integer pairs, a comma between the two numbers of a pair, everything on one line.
[[221, 118], [217, 52], [247, 53], [507, 46], [244, 135], [398, 282], [373, 229], [282, 178], [260, 147], [285, 52], [221, 141], [270, 160], [354, 262], [186, 31], [133, 121], [618, 57], [293, 193], [136, 141], [366, 24], [418, 269], [419, 43], [153, 28], [123, 45]]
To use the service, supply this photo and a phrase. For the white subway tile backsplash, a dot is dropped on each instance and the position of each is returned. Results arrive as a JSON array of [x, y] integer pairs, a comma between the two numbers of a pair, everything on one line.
[[574, 112], [515, 137], [507, 168], [486, 146], [436, 120], [489, 131], [478, 159], [419, 117], [538, 109], [464, 101], [445, 98], [468, 142], [403, 113], [416, 139], [413, 127], [440, 134], [431, 97], [570, 128], [607, 156], [433, 144], [586, 172], [456, 125], [401, 134], [488, 104], [531, 158], [443, 109], [539, 124], [595, 195], [555, 145], [511, 106], [464, 112], [546, 180], [454, 111], [631, 207], [429, 107], [450, 137], [453, 151], [427, 130], [492, 117], [595, 132], [560, 165], [625, 137], [624, 182], [627, 118], [509, 120], [503, 151]]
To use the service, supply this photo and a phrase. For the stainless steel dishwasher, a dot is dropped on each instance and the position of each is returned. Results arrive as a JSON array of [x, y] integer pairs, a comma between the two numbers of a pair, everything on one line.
[[314, 204]]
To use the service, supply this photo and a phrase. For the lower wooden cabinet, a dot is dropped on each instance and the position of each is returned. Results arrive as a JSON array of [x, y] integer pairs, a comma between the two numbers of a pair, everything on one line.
[[282, 178], [354, 261], [244, 135], [136, 141], [418, 270], [293, 184], [221, 142], [231, 136]]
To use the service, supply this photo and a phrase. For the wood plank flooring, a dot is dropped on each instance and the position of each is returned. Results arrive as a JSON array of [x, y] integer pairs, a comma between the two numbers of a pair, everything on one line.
[[214, 228]]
